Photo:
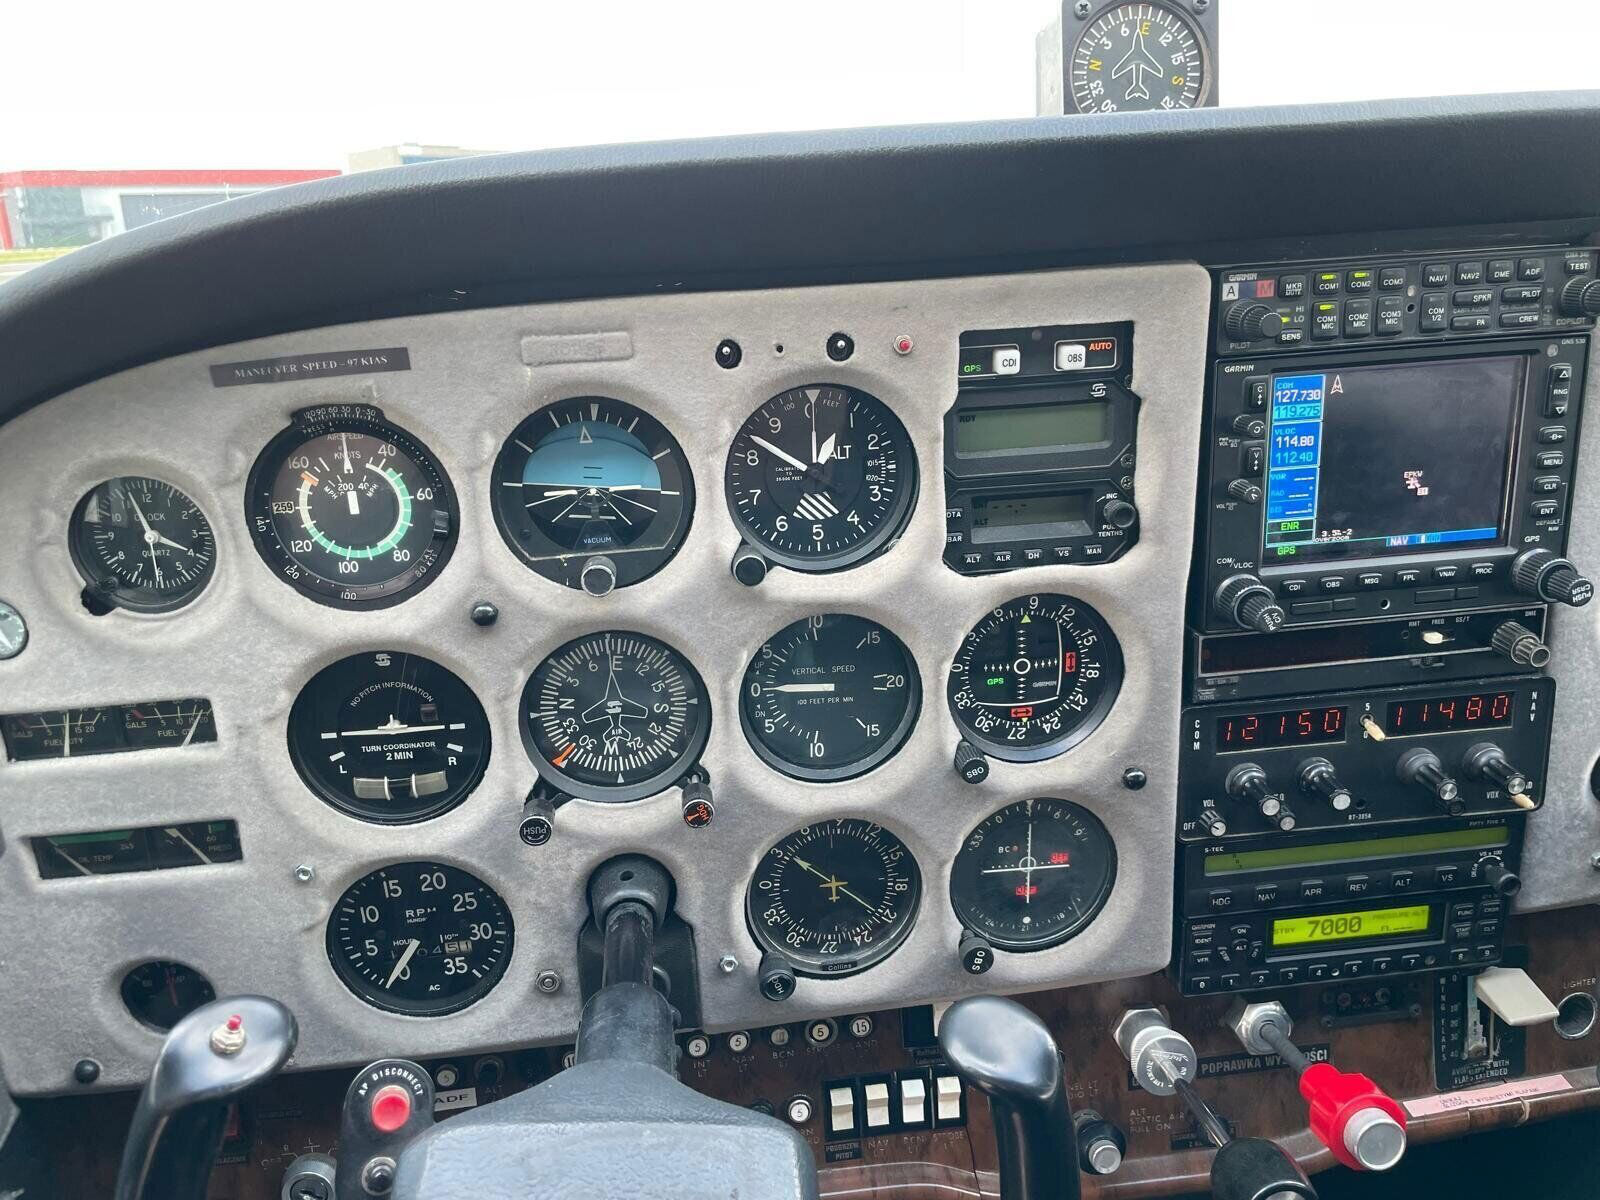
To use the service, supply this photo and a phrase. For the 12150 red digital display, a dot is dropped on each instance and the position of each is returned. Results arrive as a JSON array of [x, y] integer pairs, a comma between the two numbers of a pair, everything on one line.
[[1281, 727]]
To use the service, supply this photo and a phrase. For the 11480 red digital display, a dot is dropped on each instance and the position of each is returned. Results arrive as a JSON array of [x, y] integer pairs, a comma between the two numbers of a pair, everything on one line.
[[1281, 727], [1440, 714]]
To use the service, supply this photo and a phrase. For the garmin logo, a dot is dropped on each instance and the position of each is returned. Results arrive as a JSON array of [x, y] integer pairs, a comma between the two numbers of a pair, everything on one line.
[[310, 366]]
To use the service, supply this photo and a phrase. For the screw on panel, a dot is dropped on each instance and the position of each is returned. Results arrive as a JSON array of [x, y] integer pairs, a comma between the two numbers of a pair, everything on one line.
[[305, 873], [728, 963], [1081, 10], [484, 613], [1200, 6], [1134, 778], [86, 1070], [1594, 860], [548, 982]]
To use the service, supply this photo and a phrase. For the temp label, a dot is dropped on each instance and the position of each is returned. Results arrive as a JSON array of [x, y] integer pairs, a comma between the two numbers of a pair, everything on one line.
[[310, 366]]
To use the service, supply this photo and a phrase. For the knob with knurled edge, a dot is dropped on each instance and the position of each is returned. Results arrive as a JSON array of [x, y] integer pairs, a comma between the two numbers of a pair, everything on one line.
[[1249, 425], [1247, 322], [971, 763], [1550, 577], [1581, 298], [1212, 822], [1318, 778], [1500, 877], [1120, 513], [1421, 768], [1249, 603], [598, 576], [774, 976], [1245, 490], [1520, 644]]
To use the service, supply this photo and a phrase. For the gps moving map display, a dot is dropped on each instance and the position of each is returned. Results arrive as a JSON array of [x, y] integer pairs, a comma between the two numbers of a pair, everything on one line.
[[1388, 459]]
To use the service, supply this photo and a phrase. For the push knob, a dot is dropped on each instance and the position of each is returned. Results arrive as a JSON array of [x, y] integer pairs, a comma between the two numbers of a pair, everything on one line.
[[1247, 781], [1421, 768], [1487, 761], [1120, 513], [1550, 577], [971, 763], [775, 977], [1245, 490], [748, 566], [975, 952], [1249, 425], [1247, 322], [1581, 298], [1249, 603], [1101, 1145], [599, 575], [1500, 877], [1520, 644], [1318, 778]]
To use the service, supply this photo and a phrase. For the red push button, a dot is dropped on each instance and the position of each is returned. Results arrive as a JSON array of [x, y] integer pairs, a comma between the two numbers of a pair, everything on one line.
[[391, 1108]]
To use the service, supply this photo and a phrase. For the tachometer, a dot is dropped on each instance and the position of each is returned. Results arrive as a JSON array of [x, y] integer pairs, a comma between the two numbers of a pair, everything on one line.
[[349, 509], [142, 544], [1035, 677], [593, 493], [615, 716], [389, 736], [829, 697], [834, 897], [821, 477], [420, 938], [1033, 874]]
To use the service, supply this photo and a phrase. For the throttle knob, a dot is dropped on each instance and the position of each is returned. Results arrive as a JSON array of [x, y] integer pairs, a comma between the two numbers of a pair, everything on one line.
[[1520, 644], [1249, 603], [1318, 778], [1550, 577], [1247, 322], [1421, 768], [1581, 298]]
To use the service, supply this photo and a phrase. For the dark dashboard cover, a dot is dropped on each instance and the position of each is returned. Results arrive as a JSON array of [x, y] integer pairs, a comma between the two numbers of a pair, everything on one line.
[[794, 209]]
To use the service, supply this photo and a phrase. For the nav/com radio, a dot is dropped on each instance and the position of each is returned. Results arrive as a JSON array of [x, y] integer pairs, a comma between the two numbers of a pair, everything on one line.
[[1039, 448], [1394, 482]]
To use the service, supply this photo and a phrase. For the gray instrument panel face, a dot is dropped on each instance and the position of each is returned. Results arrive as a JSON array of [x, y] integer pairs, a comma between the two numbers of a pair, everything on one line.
[[250, 642]]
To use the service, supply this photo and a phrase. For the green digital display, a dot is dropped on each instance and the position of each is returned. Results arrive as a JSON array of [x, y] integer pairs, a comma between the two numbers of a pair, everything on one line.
[[1350, 926], [1321, 854], [1032, 427]]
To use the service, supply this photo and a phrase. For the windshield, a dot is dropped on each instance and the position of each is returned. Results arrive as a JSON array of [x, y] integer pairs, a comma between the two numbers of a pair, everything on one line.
[[156, 118]]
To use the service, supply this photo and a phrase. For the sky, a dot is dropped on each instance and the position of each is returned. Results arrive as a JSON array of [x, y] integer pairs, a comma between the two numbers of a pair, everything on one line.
[[292, 84]]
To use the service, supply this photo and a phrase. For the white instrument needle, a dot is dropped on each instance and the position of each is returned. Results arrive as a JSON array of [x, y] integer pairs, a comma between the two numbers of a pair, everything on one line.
[[411, 948], [783, 454]]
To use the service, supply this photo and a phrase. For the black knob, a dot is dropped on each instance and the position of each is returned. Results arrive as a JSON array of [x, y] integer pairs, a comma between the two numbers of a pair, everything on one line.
[[1256, 1169], [1247, 781], [1581, 298], [1244, 489], [1120, 513], [1007, 1053], [538, 820], [1248, 602], [1249, 425], [599, 575], [975, 952], [1318, 778], [1212, 822], [748, 567], [1500, 877], [972, 764], [774, 976], [1247, 322], [1284, 818], [1520, 644], [1101, 1145], [1550, 577], [698, 808], [1485, 760], [1421, 768]]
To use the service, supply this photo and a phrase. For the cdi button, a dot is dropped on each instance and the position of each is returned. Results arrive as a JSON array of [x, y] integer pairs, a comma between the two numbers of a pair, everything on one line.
[[1469, 272], [1392, 279], [1501, 270], [1435, 274], [1359, 279], [1007, 360]]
